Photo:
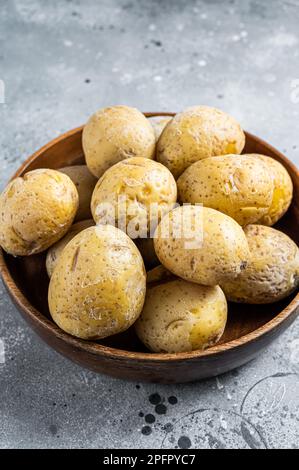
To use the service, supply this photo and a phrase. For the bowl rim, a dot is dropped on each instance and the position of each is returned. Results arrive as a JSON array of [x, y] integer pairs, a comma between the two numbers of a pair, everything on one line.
[[101, 350]]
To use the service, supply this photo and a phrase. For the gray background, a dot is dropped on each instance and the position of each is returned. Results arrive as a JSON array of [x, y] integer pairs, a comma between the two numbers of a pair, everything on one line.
[[60, 61]]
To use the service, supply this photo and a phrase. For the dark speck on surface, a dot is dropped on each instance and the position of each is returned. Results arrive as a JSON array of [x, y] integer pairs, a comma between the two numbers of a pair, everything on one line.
[[156, 43], [146, 430], [184, 442], [172, 400], [160, 409], [154, 398], [87, 80], [149, 418], [141, 414], [138, 387]]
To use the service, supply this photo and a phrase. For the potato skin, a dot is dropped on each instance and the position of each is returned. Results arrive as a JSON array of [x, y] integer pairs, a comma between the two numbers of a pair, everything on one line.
[[272, 272], [140, 182], [98, 286], [196, 133], [36, 210], [180, 316], [114, 134], [55, 250], [85, 183], [240, 186], [282, 193], [215, 248], [159, 123]]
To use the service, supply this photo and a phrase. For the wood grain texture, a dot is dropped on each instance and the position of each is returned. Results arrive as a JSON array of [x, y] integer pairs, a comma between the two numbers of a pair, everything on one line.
[[250, 328]]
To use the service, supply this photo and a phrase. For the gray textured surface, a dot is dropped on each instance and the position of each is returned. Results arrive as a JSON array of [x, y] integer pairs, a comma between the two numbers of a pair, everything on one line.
[[60, 61]]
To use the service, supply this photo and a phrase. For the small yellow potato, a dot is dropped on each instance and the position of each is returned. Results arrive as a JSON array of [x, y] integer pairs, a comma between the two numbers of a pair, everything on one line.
[[85, 183], [159, 123], [240, 186], [98, 286], [114, 134], [196, 133], [147, 250], [36, 210], [283, 191], [179, 316], [138, 192], [158, 274], [272, 272], [201, 245], [55, 250]]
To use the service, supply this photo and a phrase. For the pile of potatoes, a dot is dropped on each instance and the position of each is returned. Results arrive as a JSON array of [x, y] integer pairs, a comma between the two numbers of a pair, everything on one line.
[[195, 212]]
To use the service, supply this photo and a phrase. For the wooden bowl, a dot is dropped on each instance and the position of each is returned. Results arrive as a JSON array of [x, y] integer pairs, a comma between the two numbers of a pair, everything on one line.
[[250, 329]]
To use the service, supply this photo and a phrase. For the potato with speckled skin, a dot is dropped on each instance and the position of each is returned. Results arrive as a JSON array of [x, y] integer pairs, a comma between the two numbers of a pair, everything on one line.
[[159, 123], [55, 250], [98, 286], [179, 316], [36, 210], [147, 250], [140, 190], [201, 245], [114, 134], [272, 272], [240, 186], [283, 191], [85, 183], [196, 133]]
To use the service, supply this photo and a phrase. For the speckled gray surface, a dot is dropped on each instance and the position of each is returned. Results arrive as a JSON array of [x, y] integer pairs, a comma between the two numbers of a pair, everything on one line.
[[60, 61]]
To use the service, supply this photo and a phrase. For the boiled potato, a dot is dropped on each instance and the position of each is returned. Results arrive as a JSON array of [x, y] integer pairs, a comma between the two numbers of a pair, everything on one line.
[[180, 316], [272, 272], [197, 133], [240, 186], [147, 250], [282, 194], [36, 210], [114, 134], [85, 183], [201, 245], [55, 250], [159, 123], [137, 192], [97, 288]]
